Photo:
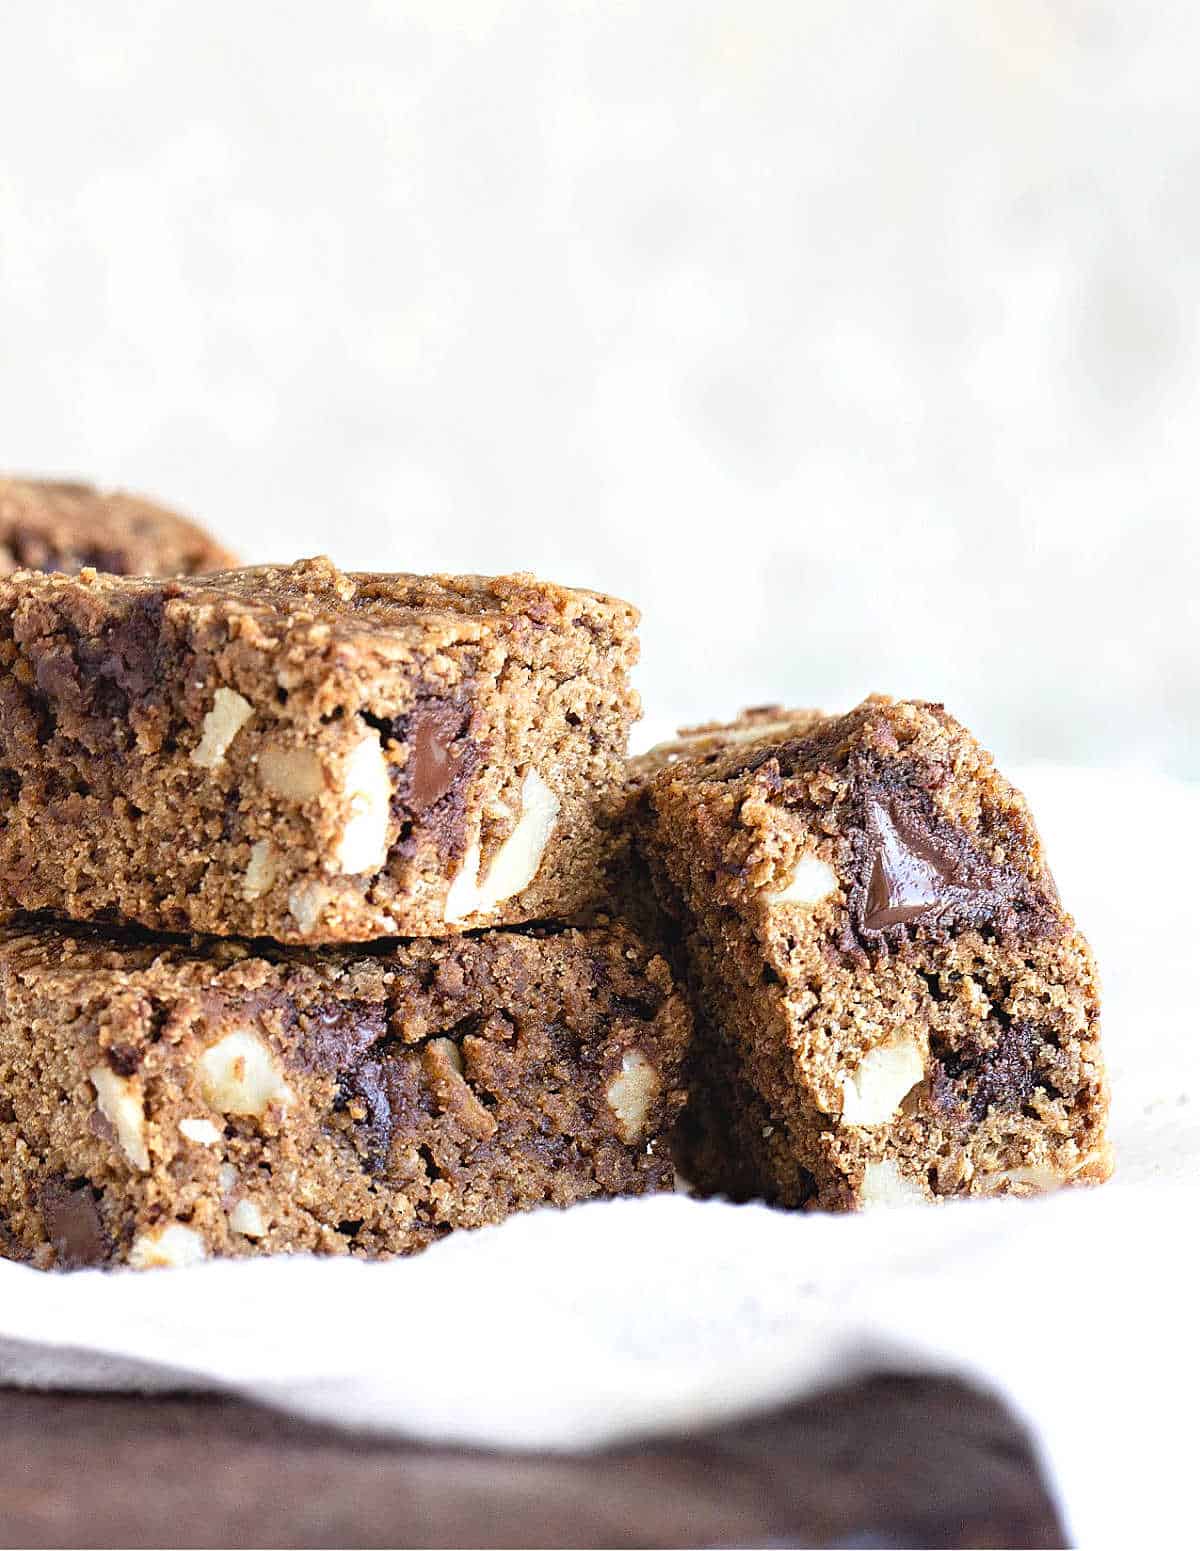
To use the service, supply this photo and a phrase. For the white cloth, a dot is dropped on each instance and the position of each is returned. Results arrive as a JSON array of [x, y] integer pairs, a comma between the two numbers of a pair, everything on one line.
[[561, 1330]]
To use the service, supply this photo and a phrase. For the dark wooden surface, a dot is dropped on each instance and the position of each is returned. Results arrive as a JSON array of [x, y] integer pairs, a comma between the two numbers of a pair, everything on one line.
[[887, 1462]]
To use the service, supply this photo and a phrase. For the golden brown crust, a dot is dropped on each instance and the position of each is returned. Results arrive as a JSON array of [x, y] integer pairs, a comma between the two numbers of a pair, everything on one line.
[[56, 525]]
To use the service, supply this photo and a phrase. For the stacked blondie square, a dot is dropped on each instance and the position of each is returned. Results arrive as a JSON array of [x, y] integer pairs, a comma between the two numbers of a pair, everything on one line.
[[378, 798], [336, 918]]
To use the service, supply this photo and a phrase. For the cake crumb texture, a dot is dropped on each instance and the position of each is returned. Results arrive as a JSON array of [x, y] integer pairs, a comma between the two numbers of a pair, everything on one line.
[[893, 1004], [162, 1103]]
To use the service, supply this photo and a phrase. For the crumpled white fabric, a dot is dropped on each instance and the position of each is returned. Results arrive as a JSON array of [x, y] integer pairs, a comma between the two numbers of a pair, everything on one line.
[[562, 1330]]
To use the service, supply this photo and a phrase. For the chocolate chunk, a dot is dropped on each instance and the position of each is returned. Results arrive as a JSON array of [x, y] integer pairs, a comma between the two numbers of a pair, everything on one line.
[[368, 1084], [910, 876], [432, 768], [915, 869], [132, 648], [340, 1038], [971, 1082], [431, 730], [335, 1038], [73, 1224], [124, 1059], [56, 672]]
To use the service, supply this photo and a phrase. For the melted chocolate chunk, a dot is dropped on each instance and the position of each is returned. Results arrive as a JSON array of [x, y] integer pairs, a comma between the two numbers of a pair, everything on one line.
[[342, 1039], [368, 1083], [124, 1059], [917, 870], [968, 1083], [103, 679], [912, 868], [433, 765], [910, 877], [73, 1224], [439, 752], [335, 1038]]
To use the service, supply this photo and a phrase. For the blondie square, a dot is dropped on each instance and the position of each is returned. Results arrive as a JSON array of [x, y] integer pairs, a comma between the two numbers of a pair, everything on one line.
[[162, 1102], [892, 1004], [305, 755], [49, 525]]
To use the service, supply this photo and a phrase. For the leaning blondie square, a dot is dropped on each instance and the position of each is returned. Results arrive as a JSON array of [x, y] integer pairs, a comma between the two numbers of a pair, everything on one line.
[[53, 525], [305, 755], [891, 1002], [164, 1102]]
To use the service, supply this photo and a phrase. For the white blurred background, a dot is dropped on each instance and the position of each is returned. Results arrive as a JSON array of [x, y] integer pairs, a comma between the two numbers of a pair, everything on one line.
[[857, 344]]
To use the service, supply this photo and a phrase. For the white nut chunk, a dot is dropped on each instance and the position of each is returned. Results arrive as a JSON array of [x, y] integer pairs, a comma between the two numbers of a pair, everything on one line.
[[260, 870], [120, 1100], [885, 1186], [169, 1247], [872, 1094], [631, 1093], [308, 902], [247, 1218], [202, 1132], [515, 864], [230, 712], [368, 789], [239, 1075], [1025, 1180], [812, 880], [296, 774]]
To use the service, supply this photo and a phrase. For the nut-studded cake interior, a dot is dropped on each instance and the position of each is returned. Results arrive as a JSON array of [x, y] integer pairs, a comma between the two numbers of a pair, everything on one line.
[[897, 1005], [228, 1100], [293, 752]]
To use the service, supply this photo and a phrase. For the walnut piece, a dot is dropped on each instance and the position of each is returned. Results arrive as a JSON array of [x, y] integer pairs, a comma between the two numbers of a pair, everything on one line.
[[296, 774], [812, 880], [197, 1129], [367, 781], [172, 1246], [307, 903], [247, 1218], [230, 712], [515, 864], [884, 1185], [120, 1100], [872, 1093], [1026, 1179], [631, 1093], [260, 870], [443, 1064], [240, 1076]]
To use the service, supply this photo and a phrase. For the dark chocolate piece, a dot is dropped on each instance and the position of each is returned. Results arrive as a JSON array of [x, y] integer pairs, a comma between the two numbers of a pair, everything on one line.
[[910, 877], [1001, 1077], [432, 728], [73, 1224]]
